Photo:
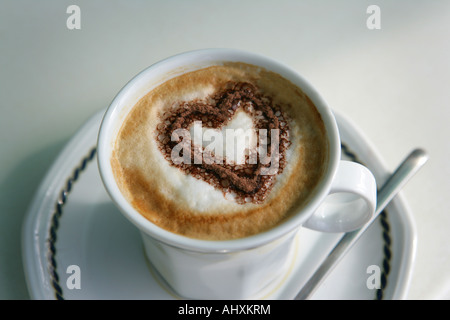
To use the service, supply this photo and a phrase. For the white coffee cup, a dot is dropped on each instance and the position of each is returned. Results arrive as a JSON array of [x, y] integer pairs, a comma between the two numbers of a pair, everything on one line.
[[240, 268]]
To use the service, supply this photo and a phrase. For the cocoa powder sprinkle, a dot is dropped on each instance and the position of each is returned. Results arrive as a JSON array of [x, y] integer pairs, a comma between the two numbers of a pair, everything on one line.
[[246, 181]]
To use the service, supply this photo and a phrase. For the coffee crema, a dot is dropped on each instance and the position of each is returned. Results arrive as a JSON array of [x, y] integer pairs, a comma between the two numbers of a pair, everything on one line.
[[181, 184]]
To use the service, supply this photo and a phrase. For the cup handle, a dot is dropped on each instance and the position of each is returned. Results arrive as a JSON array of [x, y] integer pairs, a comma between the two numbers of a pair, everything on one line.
[[351, 201]]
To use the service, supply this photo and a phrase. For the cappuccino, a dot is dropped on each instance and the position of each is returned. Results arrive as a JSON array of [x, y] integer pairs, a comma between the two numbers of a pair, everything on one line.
[[220, 153]]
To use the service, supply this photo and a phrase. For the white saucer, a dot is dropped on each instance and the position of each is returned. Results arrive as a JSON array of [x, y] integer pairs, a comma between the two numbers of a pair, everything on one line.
[[72, 221]]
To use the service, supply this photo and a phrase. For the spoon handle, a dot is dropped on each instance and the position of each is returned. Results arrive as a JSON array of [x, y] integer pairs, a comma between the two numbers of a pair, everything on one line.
[[413, 162]]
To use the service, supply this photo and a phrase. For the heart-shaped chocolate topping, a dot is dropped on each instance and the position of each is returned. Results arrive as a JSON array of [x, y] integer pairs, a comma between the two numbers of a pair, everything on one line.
[[251, 180]]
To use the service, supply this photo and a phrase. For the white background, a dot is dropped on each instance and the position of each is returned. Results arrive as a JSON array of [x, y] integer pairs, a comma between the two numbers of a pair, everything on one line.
[[393, 83]]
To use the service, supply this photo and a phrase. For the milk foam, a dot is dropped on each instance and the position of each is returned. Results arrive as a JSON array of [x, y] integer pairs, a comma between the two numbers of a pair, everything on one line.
[[195, 194], [199, 195]]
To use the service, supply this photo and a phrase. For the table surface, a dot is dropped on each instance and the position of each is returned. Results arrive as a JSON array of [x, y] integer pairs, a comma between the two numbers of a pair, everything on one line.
[[393, 82]]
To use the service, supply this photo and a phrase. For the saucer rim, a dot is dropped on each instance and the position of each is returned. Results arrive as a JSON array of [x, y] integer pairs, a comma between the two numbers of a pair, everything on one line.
[[36, 221]]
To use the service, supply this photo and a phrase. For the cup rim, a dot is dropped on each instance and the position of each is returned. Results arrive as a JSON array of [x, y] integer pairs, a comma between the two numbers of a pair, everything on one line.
[[105, 142]]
